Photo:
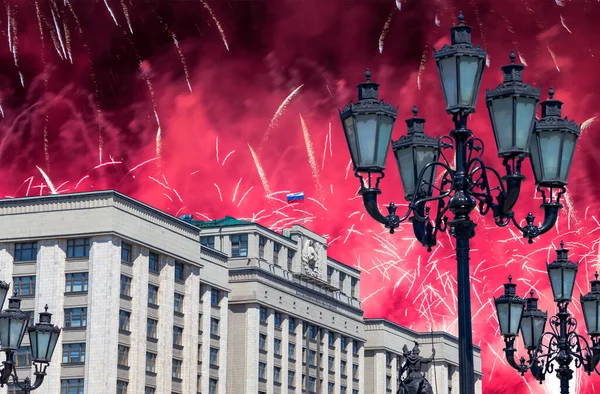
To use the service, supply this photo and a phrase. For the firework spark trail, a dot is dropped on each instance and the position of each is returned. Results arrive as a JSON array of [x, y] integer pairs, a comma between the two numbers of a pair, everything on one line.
[[261, 172], [422, 65], [183, 62], [587, 123], [217, 148], [227, 156], [244, 196], [385, 30], [219, 190], [112, 14], [126, 13], [522, 59], [48, 181], [141, 164], [236, 190], [562, 21], [311, 155], [553, 58], [315, 200], [324, 151], [399, 5], [214, 17], [279, 112], [81, 180]]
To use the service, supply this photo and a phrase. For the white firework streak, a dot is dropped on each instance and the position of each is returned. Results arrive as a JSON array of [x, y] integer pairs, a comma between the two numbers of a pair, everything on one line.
[[384, 31], [141, 164], [217, 148], [372, 294], [169, 197], [214, 17], [522, 59], [226, 157], [399, 5], [562, 21], [236, 189], [219, 190], [126, 13], [48, 181], [312, 199], [244, 196], [588, 123], [112, 14], [182, 59], [324, 150], [279, 112], [261, 172], [553, 57], [77, 185], [422, 65], [310, 150]]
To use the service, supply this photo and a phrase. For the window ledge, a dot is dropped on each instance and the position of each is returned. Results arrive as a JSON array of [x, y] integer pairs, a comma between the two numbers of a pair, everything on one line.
[[153, 340], [178, 314], [123, 367], [152, 306], [178, 380], [178, 347], [215, 336], [150, 373], [83, 259], [25, 261], [125, 297], [72, 364], [127, 263], [75, 293], [124, 332], [74, 328]]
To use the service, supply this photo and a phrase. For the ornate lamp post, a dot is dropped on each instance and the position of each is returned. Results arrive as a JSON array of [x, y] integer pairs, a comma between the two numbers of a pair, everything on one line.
[[469, 183], [562, 345], [43, 337]]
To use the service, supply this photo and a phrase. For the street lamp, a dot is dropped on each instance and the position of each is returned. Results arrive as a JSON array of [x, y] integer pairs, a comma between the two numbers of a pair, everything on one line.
[[562, 345], [43, 337], [468, 182]]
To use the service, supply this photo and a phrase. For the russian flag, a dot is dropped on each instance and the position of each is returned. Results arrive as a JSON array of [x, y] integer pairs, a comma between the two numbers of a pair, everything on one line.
[[295, 197]]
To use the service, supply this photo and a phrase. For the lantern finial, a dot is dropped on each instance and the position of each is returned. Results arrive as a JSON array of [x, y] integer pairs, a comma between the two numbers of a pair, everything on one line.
[[509, 278], [551, 93], [415, 111], [531, 293], [512, 57], [461, 18], [596, 275], [46, 308], [368, 75]]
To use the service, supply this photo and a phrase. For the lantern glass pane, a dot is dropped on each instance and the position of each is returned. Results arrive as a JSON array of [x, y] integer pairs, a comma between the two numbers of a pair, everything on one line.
[[448, 75], [424, 157], [535, 158], [385, 136], [11, 332], [3, 293], [502, 310], [567, 155], [550, 151], [569, 282], [589, 313], [502, 112], [539, 324], [52, 344], [555, 276], [516, 310], [527, 331], [351, 138], [469, 66], [43, 340], [406, 167], [524, 121], [366, 128]]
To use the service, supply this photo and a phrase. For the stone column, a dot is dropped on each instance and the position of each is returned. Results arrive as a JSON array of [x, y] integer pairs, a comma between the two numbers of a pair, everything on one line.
[[380, 364], [191, 309], [299, 368], [270, 350], [164, 358], [478, 385], [103, 314], [252, 324], [325, 348], [337, 343], [139, 321], [206, 315], [224, 332], [394, 366], [285, 343], [361, 369], [7, 251]]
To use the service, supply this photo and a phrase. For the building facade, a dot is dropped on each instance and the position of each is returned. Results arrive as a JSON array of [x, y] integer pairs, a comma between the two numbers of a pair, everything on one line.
[[143, 308]]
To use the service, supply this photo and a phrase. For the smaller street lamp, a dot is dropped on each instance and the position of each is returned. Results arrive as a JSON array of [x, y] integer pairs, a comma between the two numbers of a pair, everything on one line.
[[562, 344]]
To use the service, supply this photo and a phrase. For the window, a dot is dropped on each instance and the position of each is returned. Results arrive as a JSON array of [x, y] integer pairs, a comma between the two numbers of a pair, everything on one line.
[[153, 262], [291, 325], [22, 357], [277, 346], [353, 283], [355, 347], [239, 245], [312, 331], [262, 342], [75, 317], [312, 358], [331, 363], [177, 335], [179, 271], [150, 362], [178, 303], [261, 370], [76, 282], [329, 274], [125, 286], [388, 357], [290, 259], [26, 251], [200, 322], [152, 295], [331, 339], [291, 376], [24, 285], [215, 297], [311, 383], [330, 387], [176, 368], [261, 247], [276, 249], [342, 278], [79, 247], [73, 353], [212, 386], [208, 241], [343, 343], [71, 386], [277, 375], [277, 320], [354, 371], [214, 357], [263, 315], [354, 391], [343, 368], [342, 389], [123, 355], [124, 317], [152, 328], [291, 351], [214, 326], [388, 382], [121, 387], [126, 252], [149, 390]]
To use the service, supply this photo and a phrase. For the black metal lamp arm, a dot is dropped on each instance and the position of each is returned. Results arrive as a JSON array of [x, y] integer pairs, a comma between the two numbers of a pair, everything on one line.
[[8, 374], [511, 356]]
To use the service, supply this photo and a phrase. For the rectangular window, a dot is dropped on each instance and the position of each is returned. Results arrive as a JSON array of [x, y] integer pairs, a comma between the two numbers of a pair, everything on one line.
[[291, 378], [24, 285], [76, 282], [208, 241], [153, 262], [354, 391], [353, 284], [177, 368], [215, 297], [22, 357], [261, 247], [125, 286], [150, 362], [152, 295], [312, 383], [312, 358], [331, 363], [330, 387], [355, 346], [276, 374], [149, 390], [313, 331], [329, 274], [75, 317], [71, 386], [178, 303], [126, 252], [277, 346], [124, 318], [354, 371], [262, 367], [73, 353], [290, 259], [292, 351], [121, 387], [177, 335], [26, 251], [179, 271], [214, 326], [343, 343], [214, 357], [123, 355], [152, 328], [262, 342], [212, 386], [342, 278], [239, 245], [78, 248], [263, 315], [276, 249], [291, 325], [277, 319], [388, 357], [331, 339], [343, 368], [343, 390], [388, 382]]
